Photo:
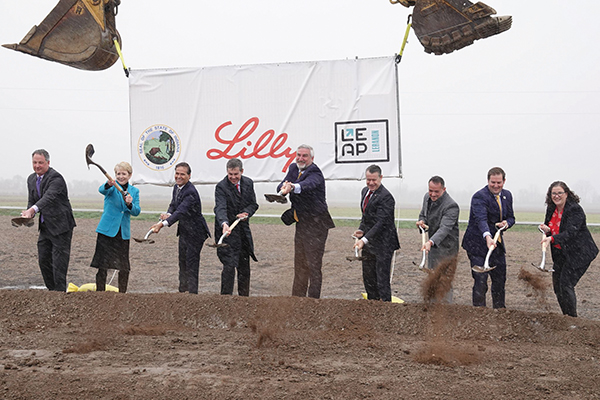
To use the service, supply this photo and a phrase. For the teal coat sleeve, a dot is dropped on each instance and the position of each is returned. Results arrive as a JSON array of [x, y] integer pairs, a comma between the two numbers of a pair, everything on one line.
[[116, 214]]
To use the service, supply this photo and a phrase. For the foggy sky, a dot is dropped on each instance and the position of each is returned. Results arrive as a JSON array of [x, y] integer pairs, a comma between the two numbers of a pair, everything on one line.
[[526, 100]]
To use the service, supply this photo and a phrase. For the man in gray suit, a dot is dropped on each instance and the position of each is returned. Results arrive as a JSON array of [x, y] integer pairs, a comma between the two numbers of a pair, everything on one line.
[[440, 213], [48, 196]]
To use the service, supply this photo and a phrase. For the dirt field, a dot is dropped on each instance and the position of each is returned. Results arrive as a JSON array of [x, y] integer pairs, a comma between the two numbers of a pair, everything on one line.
[[155, 343]]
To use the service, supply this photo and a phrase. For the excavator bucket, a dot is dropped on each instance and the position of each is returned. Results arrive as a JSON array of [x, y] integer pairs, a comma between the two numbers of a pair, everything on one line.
[[77, 33], [443, 26]]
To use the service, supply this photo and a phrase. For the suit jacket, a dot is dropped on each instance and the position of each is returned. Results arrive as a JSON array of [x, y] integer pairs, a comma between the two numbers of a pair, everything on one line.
[[574, 238], [229, 203], [310, 204], [442, 218], [483, 216], [116, 214], [53, 204], [378, 220], [186, 208]]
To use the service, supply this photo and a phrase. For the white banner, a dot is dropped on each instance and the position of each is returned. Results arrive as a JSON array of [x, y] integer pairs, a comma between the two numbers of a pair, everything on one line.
[[347, 110]]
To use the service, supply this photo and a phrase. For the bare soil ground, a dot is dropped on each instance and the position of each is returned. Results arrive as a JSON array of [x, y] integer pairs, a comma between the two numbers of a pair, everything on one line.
[[155, 343]]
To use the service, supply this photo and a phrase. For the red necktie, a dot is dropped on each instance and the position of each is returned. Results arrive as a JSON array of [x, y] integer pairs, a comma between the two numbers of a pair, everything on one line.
[[367, 200], [237, 185]]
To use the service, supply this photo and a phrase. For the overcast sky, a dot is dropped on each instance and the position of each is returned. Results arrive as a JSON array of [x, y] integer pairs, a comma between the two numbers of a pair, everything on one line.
[[526, 100]]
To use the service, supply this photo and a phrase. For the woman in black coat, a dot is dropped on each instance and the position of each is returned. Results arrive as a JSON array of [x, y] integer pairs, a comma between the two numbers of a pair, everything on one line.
[[571, 243]]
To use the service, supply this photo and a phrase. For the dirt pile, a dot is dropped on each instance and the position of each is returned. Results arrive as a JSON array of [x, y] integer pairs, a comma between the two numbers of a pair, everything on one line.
[[155, 343]]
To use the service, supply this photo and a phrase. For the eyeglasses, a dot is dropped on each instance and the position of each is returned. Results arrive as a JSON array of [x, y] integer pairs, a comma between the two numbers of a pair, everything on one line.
[[557, 194]]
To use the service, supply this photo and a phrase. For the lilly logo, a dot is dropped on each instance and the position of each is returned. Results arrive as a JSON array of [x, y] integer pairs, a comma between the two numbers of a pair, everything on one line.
[[159, 147]]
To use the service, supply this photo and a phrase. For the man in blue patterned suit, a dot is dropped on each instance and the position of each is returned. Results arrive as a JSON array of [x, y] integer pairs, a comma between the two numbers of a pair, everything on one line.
[[306, 185], [192, 229], [491, 209]]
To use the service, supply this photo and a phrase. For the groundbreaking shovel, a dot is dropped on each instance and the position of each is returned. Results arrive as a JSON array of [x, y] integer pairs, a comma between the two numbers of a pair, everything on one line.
[[424, 239], [220, 243], [544, 247], [22, 221], [89, 152], [486, 265], [145, 239], [356, 256], [279, 198]]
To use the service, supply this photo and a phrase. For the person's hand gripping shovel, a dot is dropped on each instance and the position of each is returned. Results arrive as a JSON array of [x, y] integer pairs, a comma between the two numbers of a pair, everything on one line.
[[542, 265], [424, 238], [227, 233], [356, 256], [486, 265]]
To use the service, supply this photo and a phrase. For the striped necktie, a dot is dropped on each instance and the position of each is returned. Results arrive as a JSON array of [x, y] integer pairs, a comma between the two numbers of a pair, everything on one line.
[[367, 198]]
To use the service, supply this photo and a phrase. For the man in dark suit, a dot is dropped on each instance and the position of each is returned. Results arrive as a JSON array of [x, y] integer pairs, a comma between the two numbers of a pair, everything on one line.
[[235, 199], [491, 209], [48, 196], [378, 235], [306, 185], [192, 229]]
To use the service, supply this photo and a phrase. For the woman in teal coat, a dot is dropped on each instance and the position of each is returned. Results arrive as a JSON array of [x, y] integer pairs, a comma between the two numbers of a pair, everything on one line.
[[112, 244]]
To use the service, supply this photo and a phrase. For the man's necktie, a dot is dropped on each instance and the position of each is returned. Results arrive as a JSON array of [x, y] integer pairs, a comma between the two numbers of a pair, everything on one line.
[[499, 206], [237, 185], [37, 186], [367, 198], [296, 215]]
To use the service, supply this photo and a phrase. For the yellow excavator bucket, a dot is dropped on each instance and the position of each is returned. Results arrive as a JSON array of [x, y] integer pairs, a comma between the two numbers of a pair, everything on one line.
[[77, 33]]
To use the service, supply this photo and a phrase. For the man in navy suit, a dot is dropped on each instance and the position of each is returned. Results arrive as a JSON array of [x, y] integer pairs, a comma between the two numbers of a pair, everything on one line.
[[378, 235], [491, 209], [235, 199], [306, 185], [49, 197], [192, 229]]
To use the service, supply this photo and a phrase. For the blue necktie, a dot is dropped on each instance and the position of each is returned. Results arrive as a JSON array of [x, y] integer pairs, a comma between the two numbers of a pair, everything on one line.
[[37, 186]]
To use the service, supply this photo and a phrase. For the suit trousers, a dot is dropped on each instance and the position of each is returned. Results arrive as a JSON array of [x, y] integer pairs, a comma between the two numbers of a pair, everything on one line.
[[54, 252], [189, 262], [564, 279], [376, 269], [497, 275], [235, 256], [309, 247]]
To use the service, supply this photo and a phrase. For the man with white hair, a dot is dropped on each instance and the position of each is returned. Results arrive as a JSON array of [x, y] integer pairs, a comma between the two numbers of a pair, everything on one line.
[[306, 185]]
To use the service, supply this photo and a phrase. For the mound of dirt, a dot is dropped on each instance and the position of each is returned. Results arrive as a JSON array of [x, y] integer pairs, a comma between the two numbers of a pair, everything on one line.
[[155, 343], [110, 345]]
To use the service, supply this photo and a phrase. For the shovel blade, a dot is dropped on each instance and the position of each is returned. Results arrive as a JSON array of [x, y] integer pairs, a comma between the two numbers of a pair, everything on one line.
[[22, 221], [218, 245], [482, 269], [271, 198], [149, 241], [77, 33], [354, 258]]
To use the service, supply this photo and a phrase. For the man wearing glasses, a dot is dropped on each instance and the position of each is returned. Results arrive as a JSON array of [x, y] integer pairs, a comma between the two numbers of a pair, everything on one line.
[[491, 209]]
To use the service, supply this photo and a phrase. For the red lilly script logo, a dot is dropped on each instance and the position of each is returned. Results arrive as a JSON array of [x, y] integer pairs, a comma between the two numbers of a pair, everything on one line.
[[267, 145]]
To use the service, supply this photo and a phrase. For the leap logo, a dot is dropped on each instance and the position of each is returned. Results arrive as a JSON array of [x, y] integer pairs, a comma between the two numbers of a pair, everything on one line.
[[362, 141]]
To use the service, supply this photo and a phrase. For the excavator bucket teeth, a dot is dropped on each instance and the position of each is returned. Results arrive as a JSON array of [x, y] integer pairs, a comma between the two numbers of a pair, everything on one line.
[[443, 26], [77, 33]]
